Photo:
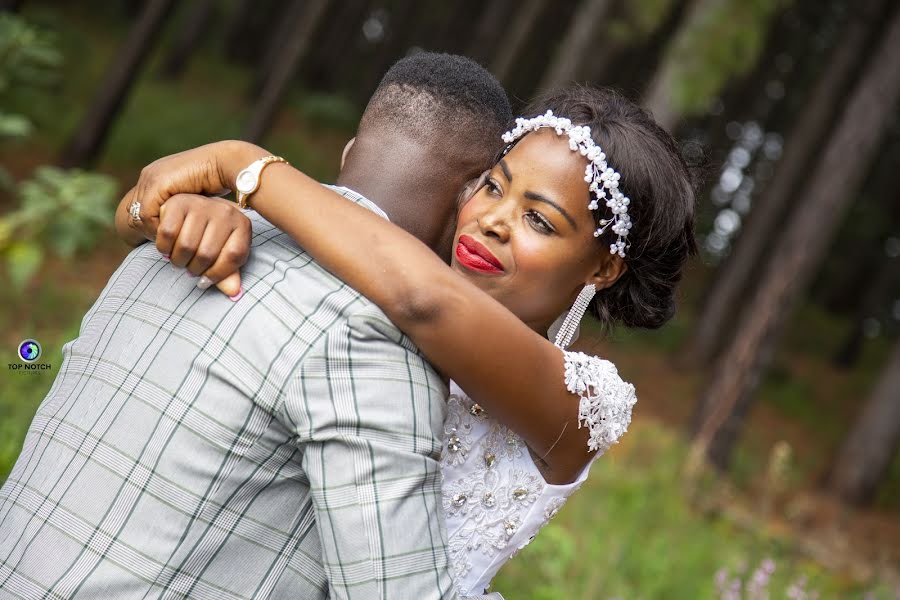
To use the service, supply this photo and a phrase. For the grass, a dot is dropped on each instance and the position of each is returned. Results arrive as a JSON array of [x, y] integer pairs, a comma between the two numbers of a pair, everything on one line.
[[631, 533], [51, 314]]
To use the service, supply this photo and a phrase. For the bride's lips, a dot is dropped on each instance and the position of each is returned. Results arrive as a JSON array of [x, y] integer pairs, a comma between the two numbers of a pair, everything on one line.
[[476, 257]]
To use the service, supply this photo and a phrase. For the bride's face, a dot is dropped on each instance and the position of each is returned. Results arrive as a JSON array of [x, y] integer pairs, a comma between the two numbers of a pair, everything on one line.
[[527, 236]]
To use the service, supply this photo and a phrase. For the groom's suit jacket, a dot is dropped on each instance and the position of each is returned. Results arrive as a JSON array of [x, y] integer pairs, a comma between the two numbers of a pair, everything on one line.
[[282, 446]]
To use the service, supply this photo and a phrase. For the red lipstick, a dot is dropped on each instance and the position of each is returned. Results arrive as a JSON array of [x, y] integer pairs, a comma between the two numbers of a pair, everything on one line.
[[476, 257]]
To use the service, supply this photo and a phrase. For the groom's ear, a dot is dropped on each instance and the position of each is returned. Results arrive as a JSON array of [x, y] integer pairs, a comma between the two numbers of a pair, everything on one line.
[[470, 188], [347, 147]]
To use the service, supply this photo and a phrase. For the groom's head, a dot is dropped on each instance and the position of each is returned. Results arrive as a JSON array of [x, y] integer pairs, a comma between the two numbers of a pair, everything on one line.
[[432, 126]]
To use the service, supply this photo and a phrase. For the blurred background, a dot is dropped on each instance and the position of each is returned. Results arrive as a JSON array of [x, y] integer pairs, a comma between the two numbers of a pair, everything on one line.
[[763, 457]]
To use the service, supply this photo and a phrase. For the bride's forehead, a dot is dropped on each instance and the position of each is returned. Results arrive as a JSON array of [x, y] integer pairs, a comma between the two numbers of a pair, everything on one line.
[[543, 151]]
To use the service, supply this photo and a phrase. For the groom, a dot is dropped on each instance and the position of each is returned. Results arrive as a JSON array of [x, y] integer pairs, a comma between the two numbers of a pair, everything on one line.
[[281, 446]]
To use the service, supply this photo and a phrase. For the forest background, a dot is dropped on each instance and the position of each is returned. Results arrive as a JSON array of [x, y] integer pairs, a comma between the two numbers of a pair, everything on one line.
[[763, 459]]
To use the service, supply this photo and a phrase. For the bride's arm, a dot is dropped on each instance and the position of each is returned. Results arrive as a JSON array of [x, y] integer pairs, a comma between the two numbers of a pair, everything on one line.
[[516, 374], [501, 363]]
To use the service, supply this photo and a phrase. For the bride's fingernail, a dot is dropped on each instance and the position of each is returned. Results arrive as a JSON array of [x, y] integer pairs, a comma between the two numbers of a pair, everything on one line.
[[204, 282], [237, 296], [166, 256]]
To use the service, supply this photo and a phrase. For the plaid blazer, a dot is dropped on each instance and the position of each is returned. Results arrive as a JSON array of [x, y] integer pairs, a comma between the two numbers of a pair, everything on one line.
[[285, 445]]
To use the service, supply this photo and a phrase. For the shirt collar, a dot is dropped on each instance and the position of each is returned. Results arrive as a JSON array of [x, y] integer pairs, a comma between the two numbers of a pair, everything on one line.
[[359, 199]]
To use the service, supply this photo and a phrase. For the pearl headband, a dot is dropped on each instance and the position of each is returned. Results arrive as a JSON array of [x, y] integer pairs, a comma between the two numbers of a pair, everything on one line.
[[603, 179]]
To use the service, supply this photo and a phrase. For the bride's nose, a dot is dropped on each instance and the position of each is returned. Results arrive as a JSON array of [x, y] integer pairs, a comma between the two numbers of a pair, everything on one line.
[[495, 221]]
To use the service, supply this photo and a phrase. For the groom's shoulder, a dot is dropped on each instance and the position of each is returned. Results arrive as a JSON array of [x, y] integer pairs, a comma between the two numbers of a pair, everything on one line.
[[283, 276], [267, 236]]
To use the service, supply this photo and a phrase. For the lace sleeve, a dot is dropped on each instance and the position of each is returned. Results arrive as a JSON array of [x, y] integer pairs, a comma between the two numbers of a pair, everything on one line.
[[606, 400]]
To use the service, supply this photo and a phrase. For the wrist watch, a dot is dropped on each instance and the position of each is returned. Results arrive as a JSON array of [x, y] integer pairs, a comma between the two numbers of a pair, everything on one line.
[[247, 181]]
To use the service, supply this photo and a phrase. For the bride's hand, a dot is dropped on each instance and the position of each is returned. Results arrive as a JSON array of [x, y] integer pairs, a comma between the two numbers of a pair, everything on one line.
[[208, 236], [208, 169]]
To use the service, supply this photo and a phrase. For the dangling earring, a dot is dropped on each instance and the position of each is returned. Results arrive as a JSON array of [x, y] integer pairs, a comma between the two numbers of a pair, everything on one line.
[[569, 328]]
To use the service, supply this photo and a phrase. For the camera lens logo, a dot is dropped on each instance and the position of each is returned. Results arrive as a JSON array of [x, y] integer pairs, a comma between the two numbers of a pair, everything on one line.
[[29, 350]]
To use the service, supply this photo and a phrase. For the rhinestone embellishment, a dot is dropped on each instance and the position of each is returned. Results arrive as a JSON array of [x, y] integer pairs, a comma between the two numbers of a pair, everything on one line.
[[510, 526], [459, 500], [476, 410], [520, 493], [489, 500], [453, 443], [489, 459]]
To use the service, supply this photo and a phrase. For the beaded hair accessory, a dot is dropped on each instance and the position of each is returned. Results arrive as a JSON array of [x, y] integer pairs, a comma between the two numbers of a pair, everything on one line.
[[603, 179]]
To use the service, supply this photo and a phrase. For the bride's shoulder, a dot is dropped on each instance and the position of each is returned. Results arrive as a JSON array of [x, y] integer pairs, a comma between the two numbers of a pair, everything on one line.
[[606, 399]]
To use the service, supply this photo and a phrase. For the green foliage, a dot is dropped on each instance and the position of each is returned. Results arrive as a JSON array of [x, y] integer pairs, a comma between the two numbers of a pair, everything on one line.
[[630, 532], [641, 19], [28, 60], [28, 56], [721, 41], [65, 211], [12, 126]]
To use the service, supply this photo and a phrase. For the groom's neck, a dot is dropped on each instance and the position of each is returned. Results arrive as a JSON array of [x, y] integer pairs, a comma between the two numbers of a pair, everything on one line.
[[399, 178]]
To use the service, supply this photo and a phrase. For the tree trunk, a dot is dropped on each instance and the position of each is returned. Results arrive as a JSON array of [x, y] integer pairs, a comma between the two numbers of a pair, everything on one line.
[[247, 27], [658, 98], [285, 27], [692, 60], [868, 449], [878, 291], [771, 203], [610, 59], [85, 144], [861, 260], [567, 64], [327, 64], [462, 17], [493, 19], [195, 24], [524, 19], [11, 5], [288, 61], [799, 248]]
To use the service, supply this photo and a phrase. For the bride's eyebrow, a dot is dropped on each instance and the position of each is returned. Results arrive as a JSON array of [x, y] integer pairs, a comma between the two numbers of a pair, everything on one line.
[[505, 169]]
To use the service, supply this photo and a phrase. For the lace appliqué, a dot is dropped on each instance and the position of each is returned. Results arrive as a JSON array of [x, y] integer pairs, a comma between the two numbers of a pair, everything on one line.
[[503, 442], [494, 504], [457, 431], [606, 400], [494, 498]]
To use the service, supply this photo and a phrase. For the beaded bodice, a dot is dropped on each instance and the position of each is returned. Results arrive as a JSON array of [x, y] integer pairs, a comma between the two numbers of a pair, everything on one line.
[[494, 497]]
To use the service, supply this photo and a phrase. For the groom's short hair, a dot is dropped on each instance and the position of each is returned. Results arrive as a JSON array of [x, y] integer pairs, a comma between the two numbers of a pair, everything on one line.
[[431, 94]]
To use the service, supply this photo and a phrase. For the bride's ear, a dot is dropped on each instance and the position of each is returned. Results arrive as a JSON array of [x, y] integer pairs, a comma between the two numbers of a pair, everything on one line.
[[347, 147], [611, 267]]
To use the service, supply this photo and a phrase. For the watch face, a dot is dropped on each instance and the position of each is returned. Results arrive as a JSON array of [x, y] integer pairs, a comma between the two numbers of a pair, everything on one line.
[[246, 182]]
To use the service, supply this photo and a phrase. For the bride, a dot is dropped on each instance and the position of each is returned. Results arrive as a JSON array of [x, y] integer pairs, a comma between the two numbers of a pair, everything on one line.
[[589, 207]]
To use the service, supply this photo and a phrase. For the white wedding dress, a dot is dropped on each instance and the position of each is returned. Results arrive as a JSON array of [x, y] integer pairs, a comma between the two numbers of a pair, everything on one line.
[[495, 499]]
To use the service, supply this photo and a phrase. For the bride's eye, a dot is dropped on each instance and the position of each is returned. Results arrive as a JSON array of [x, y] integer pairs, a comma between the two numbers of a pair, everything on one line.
[[492, 187], [539, 222]]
